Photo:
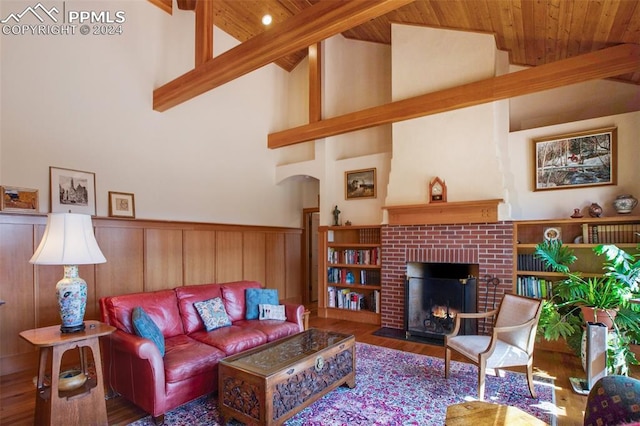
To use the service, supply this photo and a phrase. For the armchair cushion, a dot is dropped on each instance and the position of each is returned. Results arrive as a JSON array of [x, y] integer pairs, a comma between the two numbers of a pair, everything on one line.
[[144, 326], [258, 296], [213, 313]]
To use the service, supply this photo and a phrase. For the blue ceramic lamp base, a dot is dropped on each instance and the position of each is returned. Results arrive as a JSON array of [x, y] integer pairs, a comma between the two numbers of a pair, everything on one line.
[[71, 292]]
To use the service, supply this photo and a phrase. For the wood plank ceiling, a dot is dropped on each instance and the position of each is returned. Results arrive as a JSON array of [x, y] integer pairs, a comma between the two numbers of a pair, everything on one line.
[[534, 32]]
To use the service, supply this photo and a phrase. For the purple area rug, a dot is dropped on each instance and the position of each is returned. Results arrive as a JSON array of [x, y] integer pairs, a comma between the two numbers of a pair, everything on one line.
[[394, 388]]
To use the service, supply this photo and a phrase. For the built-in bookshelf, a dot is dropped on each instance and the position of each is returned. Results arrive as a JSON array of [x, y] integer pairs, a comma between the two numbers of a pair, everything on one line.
[[350, 273], [531, 278]]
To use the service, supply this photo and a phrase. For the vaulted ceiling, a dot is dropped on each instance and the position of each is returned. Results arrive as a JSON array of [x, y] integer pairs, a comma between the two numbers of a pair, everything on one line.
[[534, 32], [561, 41]]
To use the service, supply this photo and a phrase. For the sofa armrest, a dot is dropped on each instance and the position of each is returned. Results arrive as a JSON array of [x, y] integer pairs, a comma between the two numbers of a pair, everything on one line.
[[135, 369], [294, 314]]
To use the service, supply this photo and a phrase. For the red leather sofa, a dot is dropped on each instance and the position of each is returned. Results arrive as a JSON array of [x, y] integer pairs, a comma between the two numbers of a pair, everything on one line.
[[134, 366]]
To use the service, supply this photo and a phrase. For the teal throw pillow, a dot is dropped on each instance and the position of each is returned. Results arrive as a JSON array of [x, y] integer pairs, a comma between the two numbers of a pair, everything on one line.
[[258, 296], [144, 326], [213, 313]]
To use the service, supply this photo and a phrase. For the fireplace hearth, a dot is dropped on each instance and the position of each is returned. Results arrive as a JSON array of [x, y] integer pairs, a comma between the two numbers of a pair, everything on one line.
[[434, 294]]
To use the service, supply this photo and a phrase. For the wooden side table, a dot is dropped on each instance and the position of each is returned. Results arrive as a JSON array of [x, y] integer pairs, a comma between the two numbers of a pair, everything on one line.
[[85, 405]]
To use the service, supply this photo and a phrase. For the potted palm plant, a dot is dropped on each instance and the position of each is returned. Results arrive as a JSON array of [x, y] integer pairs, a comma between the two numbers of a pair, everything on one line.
[[605, 298]]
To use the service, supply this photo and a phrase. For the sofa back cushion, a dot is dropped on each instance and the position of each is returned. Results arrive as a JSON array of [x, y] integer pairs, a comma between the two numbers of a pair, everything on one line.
[[190, 294], [161, 306], [233, 295]]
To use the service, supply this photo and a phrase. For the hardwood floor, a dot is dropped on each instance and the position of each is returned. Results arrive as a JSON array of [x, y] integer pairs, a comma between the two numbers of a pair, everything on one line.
[[17, 392]]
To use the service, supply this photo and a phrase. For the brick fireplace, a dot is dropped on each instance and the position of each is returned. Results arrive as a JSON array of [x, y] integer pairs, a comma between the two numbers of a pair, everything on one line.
[[490, 245]]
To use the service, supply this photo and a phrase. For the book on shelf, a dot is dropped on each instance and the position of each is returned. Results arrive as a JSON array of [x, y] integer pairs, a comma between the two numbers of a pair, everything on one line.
[[354, 256], [331, 301], [615, 233], [528, 262], [369, 236], [537, 287], [369, 277], [352, 300]]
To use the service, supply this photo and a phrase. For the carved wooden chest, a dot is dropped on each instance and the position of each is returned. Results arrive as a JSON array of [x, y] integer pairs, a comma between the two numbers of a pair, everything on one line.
[[269, 384]]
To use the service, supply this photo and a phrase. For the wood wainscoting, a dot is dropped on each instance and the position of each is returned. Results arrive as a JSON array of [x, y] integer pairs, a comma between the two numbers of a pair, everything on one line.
[[142, 255]]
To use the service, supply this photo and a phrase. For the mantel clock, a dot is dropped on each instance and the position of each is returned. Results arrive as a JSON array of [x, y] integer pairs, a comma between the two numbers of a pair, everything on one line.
[[437, 191]]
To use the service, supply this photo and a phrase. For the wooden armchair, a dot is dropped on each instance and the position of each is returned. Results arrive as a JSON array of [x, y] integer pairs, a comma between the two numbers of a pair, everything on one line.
[[510, 344]]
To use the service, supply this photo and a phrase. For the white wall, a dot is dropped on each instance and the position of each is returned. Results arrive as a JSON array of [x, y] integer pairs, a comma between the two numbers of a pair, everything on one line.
[[85, 103], [591, 99], [355, 76], [459, 146]]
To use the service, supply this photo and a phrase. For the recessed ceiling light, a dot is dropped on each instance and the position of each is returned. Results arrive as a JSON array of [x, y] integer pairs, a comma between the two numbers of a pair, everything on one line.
[[266, 19]]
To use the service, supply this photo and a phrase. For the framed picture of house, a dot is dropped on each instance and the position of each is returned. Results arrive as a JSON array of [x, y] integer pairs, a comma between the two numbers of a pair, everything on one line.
[[575, 160], [121, 204], [360, 184], [72, 191], [16, 199]]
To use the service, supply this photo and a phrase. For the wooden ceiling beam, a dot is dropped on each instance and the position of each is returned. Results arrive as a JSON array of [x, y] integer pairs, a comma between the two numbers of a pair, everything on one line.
[[315, 82], [186, 4], [204, 31], [311, 25], [166, 5], [604, 63]]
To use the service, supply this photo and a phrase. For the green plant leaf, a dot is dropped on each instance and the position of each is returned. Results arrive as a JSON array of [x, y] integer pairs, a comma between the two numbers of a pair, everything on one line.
[[555, 255]]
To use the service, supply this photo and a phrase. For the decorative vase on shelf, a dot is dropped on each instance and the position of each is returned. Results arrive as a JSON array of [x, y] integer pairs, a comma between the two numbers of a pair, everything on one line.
[[595, 210], [625, 203]]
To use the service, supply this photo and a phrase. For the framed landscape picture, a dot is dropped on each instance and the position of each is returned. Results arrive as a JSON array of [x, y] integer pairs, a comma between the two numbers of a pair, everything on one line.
[[121, 204], [575, 160], [72, 191], [360, 184], [16, 199]]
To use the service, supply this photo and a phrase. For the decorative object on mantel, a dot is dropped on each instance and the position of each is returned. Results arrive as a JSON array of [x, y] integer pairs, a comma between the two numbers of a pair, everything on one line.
[[336, 216], [625, 203], [347, 223], [595, 210], [576, 214], [69, 240], [437, 191]]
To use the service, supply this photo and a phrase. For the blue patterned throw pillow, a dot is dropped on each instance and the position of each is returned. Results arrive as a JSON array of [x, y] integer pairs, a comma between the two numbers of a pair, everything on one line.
[[257, 296], [144, 326], [213, 313]]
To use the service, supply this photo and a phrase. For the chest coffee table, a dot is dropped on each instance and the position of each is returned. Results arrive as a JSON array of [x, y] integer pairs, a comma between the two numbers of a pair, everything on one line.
[[269, 384]]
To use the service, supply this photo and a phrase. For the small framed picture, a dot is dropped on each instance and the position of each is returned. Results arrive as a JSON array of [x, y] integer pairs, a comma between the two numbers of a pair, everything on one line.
[[552, 234], [121, 204], [16, 199], [360, 184], [72, 191]]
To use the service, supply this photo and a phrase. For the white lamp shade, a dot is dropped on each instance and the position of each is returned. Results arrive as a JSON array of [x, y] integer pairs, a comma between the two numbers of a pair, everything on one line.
[[68, 240]]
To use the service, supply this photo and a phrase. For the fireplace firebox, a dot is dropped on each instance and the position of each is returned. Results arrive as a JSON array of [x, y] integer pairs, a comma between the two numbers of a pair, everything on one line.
[[434, 294]]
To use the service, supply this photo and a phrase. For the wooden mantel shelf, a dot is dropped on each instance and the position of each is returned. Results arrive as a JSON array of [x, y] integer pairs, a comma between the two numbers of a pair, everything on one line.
[[482, 211]]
